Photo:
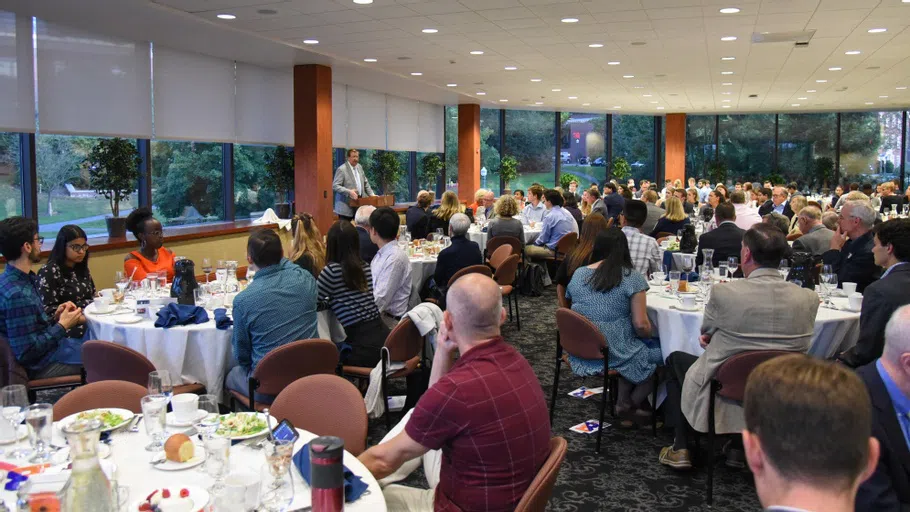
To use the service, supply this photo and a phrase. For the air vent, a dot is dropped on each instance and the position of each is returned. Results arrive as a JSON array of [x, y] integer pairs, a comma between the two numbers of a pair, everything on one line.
[[753, 95], [638, 43], [404, 58], [801, 36], [873, 68], [842, 89]]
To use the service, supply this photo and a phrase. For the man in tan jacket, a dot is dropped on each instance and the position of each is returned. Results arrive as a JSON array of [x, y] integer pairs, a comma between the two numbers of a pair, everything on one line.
[[764, 313]]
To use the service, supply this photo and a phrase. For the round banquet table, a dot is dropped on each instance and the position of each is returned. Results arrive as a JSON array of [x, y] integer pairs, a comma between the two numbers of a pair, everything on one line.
[[422, 268], [481, 237], [196, 353], [133, 471], [835, 330]]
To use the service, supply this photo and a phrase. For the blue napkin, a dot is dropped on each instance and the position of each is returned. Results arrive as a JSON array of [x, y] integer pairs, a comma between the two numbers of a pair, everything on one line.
[[221, 319], [180, 314], [354, 486]]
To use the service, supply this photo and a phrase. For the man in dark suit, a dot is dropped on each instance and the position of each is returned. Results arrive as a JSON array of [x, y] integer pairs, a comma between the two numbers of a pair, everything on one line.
[[416, 218], [891, 250], [726, 239], [888, 383], [362, 222], [462, 253], [613, 201], [779, 203], [853, 260]]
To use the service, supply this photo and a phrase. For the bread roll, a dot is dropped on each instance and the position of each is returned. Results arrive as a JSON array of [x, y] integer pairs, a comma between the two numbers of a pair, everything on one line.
[[179, 448]]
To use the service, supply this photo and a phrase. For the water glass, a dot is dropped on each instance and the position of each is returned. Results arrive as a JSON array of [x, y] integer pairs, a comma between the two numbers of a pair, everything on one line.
[[674, 280], [217, 460], [708, 255], [118, 276], [40, 420], [159, 383], [15, 401], [152, 280], [154, 411], [221, 271], [208, 423], [201, 296], [276, 492], [162, 281], [723, 269], [732, 265]]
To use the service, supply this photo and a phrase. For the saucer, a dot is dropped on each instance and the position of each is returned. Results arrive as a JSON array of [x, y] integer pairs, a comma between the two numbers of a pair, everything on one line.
[[680, 307]]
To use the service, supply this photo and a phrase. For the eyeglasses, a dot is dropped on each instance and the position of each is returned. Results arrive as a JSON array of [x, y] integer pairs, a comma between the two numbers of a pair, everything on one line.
[[39, 239], [153, 233], [79, 248]]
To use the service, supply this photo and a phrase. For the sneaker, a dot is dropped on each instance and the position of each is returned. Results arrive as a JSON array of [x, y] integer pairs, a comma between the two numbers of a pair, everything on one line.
[[676, 459]]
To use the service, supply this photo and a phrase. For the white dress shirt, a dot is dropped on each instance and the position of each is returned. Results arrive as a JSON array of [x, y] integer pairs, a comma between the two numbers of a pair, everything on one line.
[[357, 179], [391, 271]]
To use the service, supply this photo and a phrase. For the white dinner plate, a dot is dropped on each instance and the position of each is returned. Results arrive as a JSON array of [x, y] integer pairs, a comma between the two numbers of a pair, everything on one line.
[[198, 496], [250, 436], [126, 414], [169, 465], [680, 307], [128, 319], [172, 419], [21, 433]]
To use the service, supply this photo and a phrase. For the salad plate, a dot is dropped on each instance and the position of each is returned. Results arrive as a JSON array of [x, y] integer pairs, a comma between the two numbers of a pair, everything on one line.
[[242, 425], [111, 419]]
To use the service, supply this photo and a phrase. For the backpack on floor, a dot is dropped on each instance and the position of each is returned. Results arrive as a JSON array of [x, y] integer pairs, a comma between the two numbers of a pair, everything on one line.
[[530, 283]]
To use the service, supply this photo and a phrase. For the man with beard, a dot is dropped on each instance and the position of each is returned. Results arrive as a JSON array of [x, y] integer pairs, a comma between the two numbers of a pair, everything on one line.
[[34, 338]]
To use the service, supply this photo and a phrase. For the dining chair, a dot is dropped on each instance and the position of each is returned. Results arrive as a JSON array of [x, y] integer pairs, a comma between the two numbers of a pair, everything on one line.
[[473, 269], [538, 493], [505, 276], [118, 394], [498, 256], [105, 360], [305, 403], [565, 245], [11, 372], [498, 241], [282, 366]]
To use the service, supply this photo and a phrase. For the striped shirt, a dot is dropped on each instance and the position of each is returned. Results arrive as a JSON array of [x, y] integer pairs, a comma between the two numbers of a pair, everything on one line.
[[349, 306]]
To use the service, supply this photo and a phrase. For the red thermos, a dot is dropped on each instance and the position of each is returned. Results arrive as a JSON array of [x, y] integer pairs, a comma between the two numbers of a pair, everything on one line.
[[327, 474]]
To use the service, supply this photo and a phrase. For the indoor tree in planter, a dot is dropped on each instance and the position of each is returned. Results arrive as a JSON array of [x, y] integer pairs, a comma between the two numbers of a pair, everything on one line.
[[565, 178], [432, 166], [717, 172], [388, 170], [279, 167], [824, 171], [113, 166], [508, 171], [620, 170]]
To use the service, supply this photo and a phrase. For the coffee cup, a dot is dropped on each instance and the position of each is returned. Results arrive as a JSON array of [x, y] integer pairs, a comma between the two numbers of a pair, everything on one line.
[[102, 304], [658, 276], [108, 293], [687, 300], [849, 288], [7, 432], [856, 301], [185, 406], [241, 492]]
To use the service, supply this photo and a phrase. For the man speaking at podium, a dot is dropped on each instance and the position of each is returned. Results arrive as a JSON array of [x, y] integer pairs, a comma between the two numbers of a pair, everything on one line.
[[350, 183]]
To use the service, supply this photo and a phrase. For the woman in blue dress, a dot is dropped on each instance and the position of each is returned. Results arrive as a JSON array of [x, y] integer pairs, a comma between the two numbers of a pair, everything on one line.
[[612, 294]]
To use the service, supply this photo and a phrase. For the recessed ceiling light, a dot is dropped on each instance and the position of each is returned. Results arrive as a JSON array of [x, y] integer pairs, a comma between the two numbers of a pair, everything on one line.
[[369, 60], [481, 93], [646, 95], [617, 107], [638, 87], [802, 98], [882, 96], [725, 101], [451, 85], [727, 93], [503, 101], [363, 2], [869, 103], [725, 106], [476, 52], [613, 63], [728, 58], [595, 45], [310, 41], [429, 31], [726, 72], [569, 20], [535, 79], [628, 76], [794, 104], [729, 10], [556, 90], [877, 30], [538, 103], [573, 97], [901, 88], [510, 68], [835, 69], [585, 104], [727, 83], [852, 52], [728, 38], [416, 73], [821, 81], [660, 108], [810, 90], [653, 102], [226, 17]]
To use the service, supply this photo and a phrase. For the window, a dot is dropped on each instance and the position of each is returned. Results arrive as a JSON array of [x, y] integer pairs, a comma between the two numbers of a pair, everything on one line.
[[251, 196], [451, 115], [64, 193], [870, 146], [10, 190], [582, 150], [700, 147], [747, 146], [805, 149], [633, 139], [186, 182], [425, 182], [531, 139], [490, 149], [369, 160]]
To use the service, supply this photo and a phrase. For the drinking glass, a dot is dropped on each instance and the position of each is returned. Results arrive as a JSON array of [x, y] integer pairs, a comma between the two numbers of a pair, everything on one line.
[[708, 255], [221, 271], [674, 281], [162, 281], [135, 288], [159, 383], [217, 460], [120, 294], [439, 232], [40, 421], [200, 296], [208, 424], [207, 268], [829, 284], [723, 269], [118, 276], [15, 401], [276, 491], [732, 265], [152, 279], [154, 411], [827, 269]]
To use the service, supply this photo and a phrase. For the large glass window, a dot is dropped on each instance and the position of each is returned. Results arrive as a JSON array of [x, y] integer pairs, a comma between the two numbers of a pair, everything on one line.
[[370, 161], [805, 149], [700, 147], [531, 139], [451, 129], [10, 189], [424, 180], [582, 149], [186, 182], [490, 149], [64, 193], [870, 146], [633, 139], [251, 196], [747, 146]]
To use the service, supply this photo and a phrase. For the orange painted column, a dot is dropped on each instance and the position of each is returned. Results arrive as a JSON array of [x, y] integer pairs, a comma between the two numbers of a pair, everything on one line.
[[468, 151], [676, 147], [313, 170]]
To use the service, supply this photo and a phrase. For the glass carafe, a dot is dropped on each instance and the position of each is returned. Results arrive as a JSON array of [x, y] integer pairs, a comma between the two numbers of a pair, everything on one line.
[[88, 487]]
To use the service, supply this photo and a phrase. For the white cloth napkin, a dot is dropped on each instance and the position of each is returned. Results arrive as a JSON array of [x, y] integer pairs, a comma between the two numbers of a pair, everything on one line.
[[269, 217]]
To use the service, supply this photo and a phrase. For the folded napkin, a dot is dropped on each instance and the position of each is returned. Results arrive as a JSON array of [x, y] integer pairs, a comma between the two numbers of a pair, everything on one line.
[[180, 314], [222, 321], [354, 486], [270, 217]]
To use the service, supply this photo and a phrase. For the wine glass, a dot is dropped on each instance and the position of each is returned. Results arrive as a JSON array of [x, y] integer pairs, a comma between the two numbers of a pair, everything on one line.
[[829, 285], [732, 265], [40, 421], [276, 489], [217, 460], [154, 416], [207, 268], [14, 401], [827, 269], [159, 383]]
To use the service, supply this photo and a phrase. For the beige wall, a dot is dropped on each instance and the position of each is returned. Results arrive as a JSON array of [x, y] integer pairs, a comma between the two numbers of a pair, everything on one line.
[[103, 264]]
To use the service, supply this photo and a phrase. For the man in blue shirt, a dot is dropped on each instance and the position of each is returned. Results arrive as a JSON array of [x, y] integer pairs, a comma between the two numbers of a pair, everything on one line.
[[556, 224], [888, 383], [277, 308], [34, 338], [534, 210]]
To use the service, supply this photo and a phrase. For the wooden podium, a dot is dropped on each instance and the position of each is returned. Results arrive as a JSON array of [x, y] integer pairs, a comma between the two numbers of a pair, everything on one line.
[[376, 201]]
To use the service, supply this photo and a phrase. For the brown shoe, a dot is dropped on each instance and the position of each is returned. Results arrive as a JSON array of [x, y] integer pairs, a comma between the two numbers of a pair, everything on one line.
[[676, 459]]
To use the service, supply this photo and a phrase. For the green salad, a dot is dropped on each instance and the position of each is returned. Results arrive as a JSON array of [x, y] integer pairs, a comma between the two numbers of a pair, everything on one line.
[[108, 419], [241, 424]]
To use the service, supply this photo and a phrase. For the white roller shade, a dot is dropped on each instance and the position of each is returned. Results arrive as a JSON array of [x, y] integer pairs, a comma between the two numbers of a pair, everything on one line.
[[366, 119], [339, 115], [432, 128], [17, 90], [194, 96], [92, 85], [403, 118], [265, 106]]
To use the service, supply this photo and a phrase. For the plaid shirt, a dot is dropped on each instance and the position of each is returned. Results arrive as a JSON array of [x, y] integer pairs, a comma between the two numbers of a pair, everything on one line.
[[644, 251], [31, 334]]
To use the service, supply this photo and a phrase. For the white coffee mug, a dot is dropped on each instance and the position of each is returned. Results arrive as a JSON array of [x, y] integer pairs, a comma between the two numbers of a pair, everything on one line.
[[849, 288], [687, 300], [856, 301], [102, 304], [185, 406], [108, 293], [658, 276], [241, 492]]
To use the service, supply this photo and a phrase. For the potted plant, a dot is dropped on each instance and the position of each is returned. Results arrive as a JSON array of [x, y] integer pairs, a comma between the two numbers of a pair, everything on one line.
[[388, 170], [508, 171], [432, 167], [620, 170], [824, 170], [113, 166], [565, 178], [717, 172], [279, 167]]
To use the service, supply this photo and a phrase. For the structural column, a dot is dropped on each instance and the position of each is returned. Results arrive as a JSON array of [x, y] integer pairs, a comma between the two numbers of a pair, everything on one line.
[[313, 170], [468, 151], [676, 147]]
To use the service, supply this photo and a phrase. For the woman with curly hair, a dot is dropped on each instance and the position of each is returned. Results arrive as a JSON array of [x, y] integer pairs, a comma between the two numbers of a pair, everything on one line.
[[504, 224], [152, 256]]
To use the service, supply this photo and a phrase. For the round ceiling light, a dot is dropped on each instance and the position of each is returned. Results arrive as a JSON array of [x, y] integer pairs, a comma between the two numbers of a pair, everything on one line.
[[569, 20], [429, 31], [226, 17], [729, 10], [310, 41], [728, 38]]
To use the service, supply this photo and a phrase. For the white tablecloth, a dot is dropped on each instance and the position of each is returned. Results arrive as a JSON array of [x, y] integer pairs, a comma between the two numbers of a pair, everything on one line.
[[132, 471], [197, 353], [835, 330], [421, 270], [476, 235]]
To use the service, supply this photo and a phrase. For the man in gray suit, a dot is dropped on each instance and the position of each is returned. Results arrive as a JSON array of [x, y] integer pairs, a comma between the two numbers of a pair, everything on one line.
[[350, 183], [816, 238], [761, 312]]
